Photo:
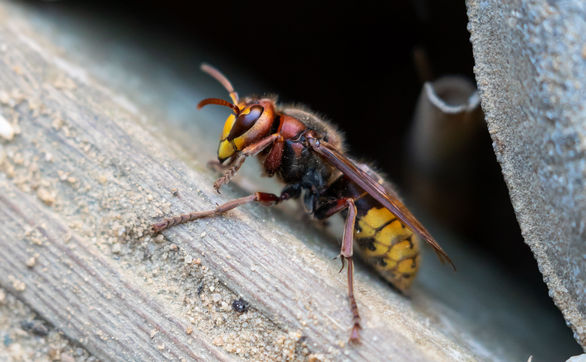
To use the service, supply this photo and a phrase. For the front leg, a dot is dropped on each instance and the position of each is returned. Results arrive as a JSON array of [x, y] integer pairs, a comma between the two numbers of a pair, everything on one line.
[[221, 167], [239, 159]]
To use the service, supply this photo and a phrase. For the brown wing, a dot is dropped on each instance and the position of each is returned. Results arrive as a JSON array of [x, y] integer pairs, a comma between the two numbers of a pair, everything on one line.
[[377, 191]]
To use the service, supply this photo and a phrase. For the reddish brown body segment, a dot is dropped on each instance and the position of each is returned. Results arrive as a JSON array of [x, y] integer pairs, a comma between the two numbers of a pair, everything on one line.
[[288, 128]]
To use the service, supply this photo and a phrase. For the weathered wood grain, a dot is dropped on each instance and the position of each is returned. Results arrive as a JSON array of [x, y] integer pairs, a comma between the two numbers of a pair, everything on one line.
[[82, 293]]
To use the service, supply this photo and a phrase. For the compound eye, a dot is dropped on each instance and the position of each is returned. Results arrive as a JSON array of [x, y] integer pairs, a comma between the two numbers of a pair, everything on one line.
[[245, 121]]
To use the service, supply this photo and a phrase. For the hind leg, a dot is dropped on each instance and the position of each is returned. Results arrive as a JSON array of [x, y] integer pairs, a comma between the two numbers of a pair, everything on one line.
[[346, 253]]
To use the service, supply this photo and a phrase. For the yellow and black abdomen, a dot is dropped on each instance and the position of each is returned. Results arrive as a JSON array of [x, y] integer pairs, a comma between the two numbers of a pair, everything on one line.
[[383, 241], [380, 238]]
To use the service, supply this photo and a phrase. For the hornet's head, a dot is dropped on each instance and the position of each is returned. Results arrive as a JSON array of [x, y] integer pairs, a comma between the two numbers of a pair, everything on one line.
[[250, 121]]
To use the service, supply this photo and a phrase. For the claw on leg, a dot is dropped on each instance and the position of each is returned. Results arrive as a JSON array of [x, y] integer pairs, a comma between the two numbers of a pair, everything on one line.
[[219, 167], [229, 172], [355, 335], [342, 260]]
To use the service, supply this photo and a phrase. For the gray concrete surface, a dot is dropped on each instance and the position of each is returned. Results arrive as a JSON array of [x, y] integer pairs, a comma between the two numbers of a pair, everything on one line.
[[530, 68]]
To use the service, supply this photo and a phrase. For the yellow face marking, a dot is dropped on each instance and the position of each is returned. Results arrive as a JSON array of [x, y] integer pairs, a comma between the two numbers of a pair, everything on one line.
[[225, 150], [228, 126], [376, 218], [239, 142]]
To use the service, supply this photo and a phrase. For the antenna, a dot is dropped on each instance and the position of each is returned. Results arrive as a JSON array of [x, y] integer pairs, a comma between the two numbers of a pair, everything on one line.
[[222, 79]]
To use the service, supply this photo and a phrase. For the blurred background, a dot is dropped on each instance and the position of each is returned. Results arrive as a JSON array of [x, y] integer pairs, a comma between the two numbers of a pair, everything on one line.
[[362, 66]]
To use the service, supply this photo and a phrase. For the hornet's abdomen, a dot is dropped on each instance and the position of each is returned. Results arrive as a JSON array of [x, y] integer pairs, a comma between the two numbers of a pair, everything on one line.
[[387, 244]]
